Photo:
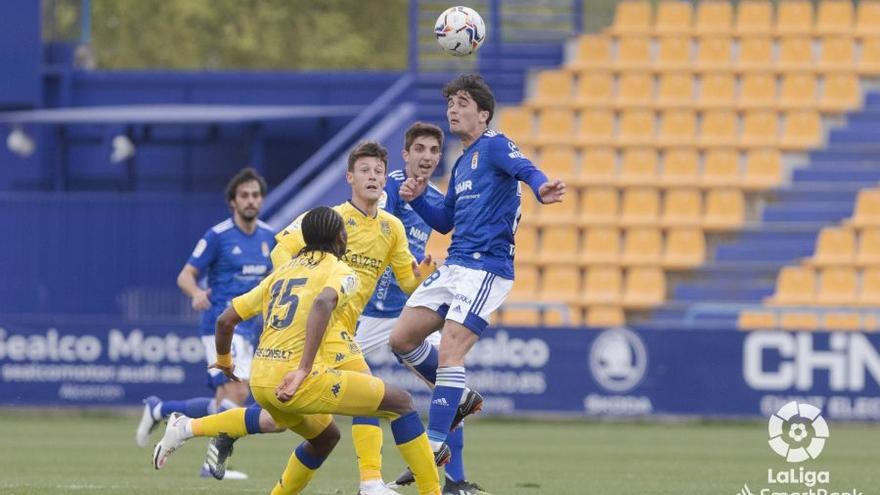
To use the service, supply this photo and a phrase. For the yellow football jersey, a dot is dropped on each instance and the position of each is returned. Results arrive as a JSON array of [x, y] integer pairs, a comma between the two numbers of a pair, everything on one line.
[[374, 243], [285, 298]]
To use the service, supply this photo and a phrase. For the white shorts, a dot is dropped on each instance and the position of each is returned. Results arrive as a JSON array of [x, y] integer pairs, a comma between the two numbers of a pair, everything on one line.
[[463, 295], [372, 334], [242, 354]]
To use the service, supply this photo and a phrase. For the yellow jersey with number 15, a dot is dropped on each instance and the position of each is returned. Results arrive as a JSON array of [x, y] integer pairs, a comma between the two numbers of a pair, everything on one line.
[[285, 298]]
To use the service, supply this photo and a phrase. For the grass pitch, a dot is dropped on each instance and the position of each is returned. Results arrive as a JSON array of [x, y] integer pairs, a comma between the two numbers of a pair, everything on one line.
[[91, 453]]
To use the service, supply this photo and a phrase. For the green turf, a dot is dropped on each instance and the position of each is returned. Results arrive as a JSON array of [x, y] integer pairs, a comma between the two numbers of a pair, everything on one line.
[[83, 454]]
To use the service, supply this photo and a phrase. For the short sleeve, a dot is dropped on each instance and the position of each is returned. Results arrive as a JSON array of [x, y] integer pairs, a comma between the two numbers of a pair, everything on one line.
[[205, 252]]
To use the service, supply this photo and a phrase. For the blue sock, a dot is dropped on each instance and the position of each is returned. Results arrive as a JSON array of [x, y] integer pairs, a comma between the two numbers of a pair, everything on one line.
[[424, 359], [455, 468], [194, 408], [444, 403]]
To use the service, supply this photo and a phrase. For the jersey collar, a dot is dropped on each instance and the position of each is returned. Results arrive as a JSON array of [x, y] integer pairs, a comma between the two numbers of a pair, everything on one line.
[[361, 211]]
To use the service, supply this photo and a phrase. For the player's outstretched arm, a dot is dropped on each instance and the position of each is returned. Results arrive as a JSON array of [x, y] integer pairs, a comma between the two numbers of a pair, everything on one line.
[[316, 326], [551, 191], [188, 281], [223, 332], [439, 217]]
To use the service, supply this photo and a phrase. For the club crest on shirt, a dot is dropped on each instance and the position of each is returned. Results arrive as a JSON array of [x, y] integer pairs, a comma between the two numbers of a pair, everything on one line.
[[265, 248], [474, 160], [351, 222], [386, 228]]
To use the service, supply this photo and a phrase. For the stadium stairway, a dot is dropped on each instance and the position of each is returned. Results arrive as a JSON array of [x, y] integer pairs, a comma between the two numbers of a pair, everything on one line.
[[744, 267]]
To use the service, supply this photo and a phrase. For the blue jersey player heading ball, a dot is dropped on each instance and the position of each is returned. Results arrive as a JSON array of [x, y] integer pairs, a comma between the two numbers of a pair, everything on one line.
[[483, 206]]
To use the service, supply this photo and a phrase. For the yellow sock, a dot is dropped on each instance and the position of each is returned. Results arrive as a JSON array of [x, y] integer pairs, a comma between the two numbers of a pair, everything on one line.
[[301, 468], [409, 434], [230, 422], [367, 436]]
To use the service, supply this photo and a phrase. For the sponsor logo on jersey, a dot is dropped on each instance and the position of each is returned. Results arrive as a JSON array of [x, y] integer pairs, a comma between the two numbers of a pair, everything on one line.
[[514, 151], [236, 250], [354, 259], [254, 269], [200, 248], [339, 356], [349, 284], [475, 160], [464, 186], [418, 234], [272, 354]]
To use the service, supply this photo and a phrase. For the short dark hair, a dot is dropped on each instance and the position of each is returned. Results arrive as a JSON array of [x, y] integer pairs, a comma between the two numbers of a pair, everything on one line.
[[420, 129], [475, 86], [320, 228], [366, 149], [247, 174]]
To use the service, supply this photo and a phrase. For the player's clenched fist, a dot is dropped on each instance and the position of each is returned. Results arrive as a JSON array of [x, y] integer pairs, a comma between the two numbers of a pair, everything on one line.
[[200, 301], [412, 188]]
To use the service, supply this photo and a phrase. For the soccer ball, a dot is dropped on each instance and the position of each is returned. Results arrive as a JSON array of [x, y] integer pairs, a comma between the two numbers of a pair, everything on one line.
[[460, 31]]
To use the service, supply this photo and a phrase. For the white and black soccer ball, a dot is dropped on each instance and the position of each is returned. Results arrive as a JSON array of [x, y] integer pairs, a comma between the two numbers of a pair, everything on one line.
[[460, 31]]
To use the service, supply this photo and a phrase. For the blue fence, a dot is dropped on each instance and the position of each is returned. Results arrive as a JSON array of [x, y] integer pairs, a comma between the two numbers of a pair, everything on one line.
[[617, 372]]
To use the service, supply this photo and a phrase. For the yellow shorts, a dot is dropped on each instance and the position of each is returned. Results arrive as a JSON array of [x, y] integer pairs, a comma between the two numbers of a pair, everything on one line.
[[339, 348]]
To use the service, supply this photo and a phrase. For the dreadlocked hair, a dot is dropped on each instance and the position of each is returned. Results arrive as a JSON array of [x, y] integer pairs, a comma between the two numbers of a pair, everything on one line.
[[320, 228]]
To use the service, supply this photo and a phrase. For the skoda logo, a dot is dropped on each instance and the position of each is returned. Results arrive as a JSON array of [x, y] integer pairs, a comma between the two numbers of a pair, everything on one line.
[[618, 359], [798, 432]]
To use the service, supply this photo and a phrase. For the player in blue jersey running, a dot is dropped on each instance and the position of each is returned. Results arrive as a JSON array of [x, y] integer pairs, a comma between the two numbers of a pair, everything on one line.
[[234, 256], [483, 206]]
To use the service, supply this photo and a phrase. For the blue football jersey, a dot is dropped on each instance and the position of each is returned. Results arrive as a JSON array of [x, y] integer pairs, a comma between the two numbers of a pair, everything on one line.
[[234, 263], [483, 204], [389, 299]]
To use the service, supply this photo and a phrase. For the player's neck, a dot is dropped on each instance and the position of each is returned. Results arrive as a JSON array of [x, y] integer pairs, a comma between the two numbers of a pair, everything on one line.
[[468, 139], [367, 207], [246, 226]]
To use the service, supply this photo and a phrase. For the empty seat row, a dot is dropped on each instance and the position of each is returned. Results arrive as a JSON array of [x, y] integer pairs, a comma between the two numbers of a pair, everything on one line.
[[752, 17], [759, 169], [591, 316], [834, 286], [763, 319], [794, 130], [716, 209], [867, 209], [638, 246], [836, 92], [844, 246], [637, 288]]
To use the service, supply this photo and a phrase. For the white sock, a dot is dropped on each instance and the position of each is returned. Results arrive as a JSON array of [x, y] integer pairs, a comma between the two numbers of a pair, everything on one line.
[[435, 446], [464, 395], [187, 428], [372, 484], [157, 411]]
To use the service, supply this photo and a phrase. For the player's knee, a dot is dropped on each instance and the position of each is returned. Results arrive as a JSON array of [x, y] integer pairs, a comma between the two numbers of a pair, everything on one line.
[[397, 400], [267, 423], [326, 441], [400, 342]]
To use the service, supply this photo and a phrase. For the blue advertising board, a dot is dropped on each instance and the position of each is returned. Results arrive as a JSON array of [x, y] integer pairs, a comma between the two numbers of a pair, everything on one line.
[[615, 372]]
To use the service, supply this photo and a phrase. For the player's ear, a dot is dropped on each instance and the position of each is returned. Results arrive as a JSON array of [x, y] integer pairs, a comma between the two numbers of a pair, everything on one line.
[[484, 117], [405, 155], [349, 177]]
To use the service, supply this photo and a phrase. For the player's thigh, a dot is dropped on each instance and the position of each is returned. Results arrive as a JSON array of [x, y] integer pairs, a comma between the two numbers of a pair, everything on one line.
[[327, 391], [413, 326], [356, 364], [373, 333], [312, 425]]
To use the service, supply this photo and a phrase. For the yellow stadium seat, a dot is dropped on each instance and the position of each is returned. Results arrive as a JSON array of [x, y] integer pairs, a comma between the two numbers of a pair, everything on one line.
[[594, 89], [516, 122], [714, 52], [559, 162], [835, 246], [799, 320], [760, 128], [598, 167], [642, 246], [529, 207], [794, 17], [755, 54], [559, 245], [519, 317], [635, 89], [721, 168], [763, 170], [632, 16], [600, 206], [717, 91], [685, 248], [835, 17], [757, 319], [869, 295], [795, 285], [681, 167], [841, 320], [714, 17], [641, 206], [674, 53], [754, 17], [678, 128], [870, 322], [563, 213], [601, 246], [803, 130], [799, 91], [868, 18], [553, 88], [837, 286], [644, 288], [725, 209], [525, 285], [682, 208], [867, 210], [869, 247], [602, 285], [555, 127], [636, 128], [593, 52], [638, 167], [596, 127], [841, 93], [560, 284], [673, 17], [869, 63], [633, 52], [796, 54], [758, 91], [838, 53], [526, 244], [605, 316], [719, 128], [562, 317], [676, 90]]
